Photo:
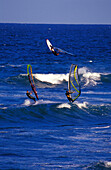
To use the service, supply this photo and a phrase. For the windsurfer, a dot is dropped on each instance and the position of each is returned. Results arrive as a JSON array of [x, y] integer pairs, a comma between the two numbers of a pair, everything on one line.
[[53, 51], [69, 96], [33, 88], [29, 95]]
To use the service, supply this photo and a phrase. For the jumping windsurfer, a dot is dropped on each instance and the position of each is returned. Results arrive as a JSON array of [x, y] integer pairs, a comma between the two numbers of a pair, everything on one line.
[[53, 51]]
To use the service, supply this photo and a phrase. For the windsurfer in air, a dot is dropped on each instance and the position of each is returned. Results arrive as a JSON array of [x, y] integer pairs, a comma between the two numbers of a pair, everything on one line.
[[29, 95], [53, 51]]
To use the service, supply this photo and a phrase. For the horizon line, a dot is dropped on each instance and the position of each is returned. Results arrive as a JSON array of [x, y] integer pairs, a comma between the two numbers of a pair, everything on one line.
[[55, 23]]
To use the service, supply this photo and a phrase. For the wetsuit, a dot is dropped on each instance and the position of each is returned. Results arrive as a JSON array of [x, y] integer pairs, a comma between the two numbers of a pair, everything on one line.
[[53, 51], [69, 96], [29, 95]]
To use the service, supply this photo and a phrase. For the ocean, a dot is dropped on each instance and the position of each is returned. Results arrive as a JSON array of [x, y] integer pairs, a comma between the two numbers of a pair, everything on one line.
[[54, 133]]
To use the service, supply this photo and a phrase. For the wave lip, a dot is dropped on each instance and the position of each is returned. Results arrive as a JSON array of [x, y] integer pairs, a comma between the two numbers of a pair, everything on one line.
[[52, 78], [64, 105], [93, 78], [86, 77], [89, 77]]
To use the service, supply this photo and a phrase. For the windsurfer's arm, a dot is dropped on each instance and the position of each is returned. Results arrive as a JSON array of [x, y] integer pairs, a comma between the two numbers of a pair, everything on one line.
[[31, 92], [28, 93], [70, 92]]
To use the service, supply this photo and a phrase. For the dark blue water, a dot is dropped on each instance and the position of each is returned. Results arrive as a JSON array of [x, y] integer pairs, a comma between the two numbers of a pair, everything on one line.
[[53, 133]]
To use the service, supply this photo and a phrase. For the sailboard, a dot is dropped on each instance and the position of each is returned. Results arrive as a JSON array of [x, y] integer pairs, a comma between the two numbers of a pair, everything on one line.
[[74, 83], [63, 51], [31, 80], [56, 50]]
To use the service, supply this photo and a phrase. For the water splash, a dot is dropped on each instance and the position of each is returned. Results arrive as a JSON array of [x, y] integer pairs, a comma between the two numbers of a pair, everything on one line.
[[64, 105], [81, 105]]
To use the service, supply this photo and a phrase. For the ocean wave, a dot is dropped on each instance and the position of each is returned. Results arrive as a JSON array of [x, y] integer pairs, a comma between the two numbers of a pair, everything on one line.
[[52, 78], [15, 65], [12, 65], [86, 77], [99, 165], [64, 105], [54, 112], [2, 66], [106, 77], [92, 92], [28, 102], [82, 105], [93, 78]]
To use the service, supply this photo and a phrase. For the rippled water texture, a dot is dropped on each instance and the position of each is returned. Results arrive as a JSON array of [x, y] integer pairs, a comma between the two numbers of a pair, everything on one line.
[[53, 133]]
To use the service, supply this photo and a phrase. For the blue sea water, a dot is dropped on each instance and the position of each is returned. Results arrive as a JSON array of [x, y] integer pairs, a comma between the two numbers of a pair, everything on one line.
[[53, 133]]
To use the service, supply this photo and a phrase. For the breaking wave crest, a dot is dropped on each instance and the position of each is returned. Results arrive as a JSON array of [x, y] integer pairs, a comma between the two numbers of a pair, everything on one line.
[[86, 77], [52, 78], [53, 112]]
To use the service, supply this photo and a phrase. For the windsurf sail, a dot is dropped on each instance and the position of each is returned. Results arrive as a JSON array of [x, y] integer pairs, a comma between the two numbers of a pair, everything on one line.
[[51, 48], [56, 50], [74, 83], [31, 80]]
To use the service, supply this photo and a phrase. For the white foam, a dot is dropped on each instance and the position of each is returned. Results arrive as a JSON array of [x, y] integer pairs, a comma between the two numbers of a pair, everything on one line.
[[91, 92], [86, 76], [82, 70], [90, 77], [27, 102], [4, 108], [104, 127], [81, 105], [2, 66], [108, 164], [52, 78], [11, 65], [90, 61], [44, 102], [64, 105]]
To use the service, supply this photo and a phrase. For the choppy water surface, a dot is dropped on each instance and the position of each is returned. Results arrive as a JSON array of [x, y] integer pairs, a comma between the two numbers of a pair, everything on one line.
[[53, 133]]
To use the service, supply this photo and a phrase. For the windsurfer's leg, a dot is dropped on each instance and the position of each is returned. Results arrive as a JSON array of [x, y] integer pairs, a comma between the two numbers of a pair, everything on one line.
[[30, 97], [33, 98]]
